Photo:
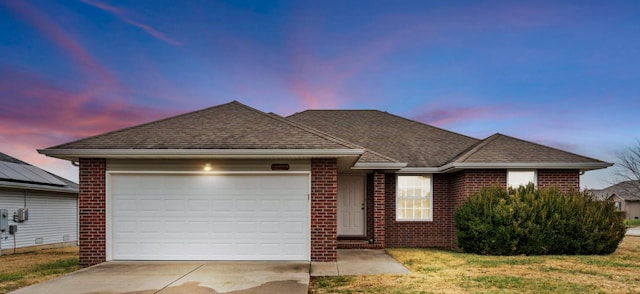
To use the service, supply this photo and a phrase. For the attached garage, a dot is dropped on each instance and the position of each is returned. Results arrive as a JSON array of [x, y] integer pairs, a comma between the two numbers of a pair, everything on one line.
[[205, 216]]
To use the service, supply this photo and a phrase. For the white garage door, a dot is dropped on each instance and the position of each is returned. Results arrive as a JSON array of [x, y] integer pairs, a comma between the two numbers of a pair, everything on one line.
[[209, 217]]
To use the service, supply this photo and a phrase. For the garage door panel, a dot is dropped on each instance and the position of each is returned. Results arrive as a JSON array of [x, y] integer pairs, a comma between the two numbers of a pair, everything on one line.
[[214, 217]]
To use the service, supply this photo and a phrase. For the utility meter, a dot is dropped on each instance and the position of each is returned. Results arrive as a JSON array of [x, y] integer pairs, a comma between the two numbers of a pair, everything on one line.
[[4, 220]]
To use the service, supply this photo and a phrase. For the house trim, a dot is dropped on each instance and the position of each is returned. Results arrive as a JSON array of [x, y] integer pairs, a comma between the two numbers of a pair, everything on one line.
[[456, 166], [379, 165], [74, 154]]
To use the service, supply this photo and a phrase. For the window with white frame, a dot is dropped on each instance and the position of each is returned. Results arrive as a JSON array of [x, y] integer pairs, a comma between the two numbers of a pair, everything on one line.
[[414, 198], [517, 178]]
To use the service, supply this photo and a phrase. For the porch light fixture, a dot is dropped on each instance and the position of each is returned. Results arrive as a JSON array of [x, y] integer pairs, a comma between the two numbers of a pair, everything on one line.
[[207, 167]]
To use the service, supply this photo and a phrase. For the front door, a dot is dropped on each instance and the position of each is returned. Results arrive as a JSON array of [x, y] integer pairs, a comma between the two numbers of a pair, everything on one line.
[[351, 205]]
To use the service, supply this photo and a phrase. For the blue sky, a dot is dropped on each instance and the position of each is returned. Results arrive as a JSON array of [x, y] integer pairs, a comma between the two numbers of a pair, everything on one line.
[[560, 73]]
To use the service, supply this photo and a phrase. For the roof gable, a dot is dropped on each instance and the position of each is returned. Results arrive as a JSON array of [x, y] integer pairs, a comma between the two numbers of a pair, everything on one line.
[[506, 149], [227, 126], [627, 190]]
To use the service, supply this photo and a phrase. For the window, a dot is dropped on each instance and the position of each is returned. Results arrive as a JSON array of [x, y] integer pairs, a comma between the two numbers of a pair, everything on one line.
[[414, 198], [618, 205], [517, 178]]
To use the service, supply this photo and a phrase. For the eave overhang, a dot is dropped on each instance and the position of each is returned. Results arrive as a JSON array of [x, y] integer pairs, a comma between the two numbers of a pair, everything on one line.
[[379, 165], [76, 154], [456, 166], [36, 187]]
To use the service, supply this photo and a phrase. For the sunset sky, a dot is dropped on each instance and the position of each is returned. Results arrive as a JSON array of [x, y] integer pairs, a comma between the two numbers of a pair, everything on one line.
[[560, 73]]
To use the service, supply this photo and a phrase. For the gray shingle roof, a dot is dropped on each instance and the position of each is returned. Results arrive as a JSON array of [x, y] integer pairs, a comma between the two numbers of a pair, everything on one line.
[[227, 126], [415, 143], [384, 138], [503, 148], [627, 190]]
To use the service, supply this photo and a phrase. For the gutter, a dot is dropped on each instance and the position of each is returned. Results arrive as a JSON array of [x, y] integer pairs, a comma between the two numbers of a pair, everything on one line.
[[75, 154], [455, 166]]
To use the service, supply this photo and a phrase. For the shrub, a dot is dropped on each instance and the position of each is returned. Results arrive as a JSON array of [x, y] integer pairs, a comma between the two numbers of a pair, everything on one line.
[[537, 222]]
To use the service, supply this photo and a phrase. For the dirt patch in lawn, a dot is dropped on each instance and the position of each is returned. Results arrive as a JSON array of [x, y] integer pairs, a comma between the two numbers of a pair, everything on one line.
[[24, 269], [439, 271]]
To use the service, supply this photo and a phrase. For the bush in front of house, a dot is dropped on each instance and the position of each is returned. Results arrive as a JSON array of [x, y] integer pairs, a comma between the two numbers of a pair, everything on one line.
[[537, 222]]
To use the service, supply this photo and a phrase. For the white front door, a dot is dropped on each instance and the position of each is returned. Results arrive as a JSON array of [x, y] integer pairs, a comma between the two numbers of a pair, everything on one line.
[[351, 205]]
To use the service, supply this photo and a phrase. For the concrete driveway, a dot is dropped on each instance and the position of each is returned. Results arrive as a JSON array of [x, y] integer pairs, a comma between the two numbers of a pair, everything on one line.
[[633, 232], [181, 277]]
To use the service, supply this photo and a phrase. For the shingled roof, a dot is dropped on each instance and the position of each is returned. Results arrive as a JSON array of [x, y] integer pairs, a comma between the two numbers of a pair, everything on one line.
[[406, 140], [627, 190], [503, 148], [230, 126], [227, 126], [378, 140]]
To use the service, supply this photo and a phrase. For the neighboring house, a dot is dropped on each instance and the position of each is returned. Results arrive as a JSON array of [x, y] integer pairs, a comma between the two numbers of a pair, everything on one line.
[[234, 183], [626, 196], [42, 206]]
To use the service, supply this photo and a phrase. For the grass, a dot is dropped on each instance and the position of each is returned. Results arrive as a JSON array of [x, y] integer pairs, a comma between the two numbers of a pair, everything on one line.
[[632, 223], [439, 271], [24, 269]]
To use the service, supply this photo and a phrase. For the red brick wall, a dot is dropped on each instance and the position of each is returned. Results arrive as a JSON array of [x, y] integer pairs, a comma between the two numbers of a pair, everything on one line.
[[92, 218], [379, 208], [467, 182], [369, 206], [435, 233], [449, 192], [324, 187], [564, 179]]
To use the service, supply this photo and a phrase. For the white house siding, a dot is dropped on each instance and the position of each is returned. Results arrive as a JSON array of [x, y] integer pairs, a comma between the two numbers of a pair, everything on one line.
[[53, 218]]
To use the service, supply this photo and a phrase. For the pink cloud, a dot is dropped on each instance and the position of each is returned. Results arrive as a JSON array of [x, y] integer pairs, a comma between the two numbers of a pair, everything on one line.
[[43, 114], [321, 79], [122, 15], [446, 116], [40, 114]]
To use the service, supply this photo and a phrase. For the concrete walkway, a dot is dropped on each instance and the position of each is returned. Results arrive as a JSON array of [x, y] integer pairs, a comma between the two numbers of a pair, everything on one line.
[[633, 232], [181, 277], [137, 277], [357, 262]]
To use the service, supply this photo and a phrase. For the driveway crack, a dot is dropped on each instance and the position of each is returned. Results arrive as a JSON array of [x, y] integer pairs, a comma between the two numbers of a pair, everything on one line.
[[165, 287]]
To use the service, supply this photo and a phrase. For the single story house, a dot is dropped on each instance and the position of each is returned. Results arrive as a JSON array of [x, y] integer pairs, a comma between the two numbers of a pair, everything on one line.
[[231, 182], [41, 207], [626, 196]]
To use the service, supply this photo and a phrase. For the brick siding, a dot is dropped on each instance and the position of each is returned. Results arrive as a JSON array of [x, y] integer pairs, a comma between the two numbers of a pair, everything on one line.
[[435, 233], [369, 211], [92, 214], [324, 186], [379, 208], [449, 192], [563, 179]]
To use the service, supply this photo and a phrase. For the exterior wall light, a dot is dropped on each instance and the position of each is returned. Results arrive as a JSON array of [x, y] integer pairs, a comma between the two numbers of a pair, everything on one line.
[[207, 167]]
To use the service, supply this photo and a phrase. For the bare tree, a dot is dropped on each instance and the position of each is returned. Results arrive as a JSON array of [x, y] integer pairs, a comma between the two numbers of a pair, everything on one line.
[[628, 168]]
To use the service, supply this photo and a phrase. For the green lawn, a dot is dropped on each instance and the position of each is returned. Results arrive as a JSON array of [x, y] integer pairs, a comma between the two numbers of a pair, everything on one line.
[[439, 271], [632, 223]]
